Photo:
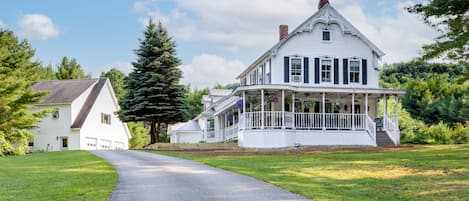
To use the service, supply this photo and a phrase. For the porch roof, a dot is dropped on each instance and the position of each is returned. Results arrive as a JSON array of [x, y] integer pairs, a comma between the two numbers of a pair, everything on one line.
[[314, 89]]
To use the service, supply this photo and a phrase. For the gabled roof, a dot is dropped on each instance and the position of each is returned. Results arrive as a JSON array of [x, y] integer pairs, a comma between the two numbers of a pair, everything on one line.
[[328, 15], [62, 91], [66, 91], [219, 92], [191, 125], [86, 108]]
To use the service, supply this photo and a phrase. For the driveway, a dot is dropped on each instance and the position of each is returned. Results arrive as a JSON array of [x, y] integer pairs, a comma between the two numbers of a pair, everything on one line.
[[151, 177]]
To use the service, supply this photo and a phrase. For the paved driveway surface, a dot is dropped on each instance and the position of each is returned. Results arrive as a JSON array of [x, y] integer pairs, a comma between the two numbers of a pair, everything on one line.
[[151, 177]]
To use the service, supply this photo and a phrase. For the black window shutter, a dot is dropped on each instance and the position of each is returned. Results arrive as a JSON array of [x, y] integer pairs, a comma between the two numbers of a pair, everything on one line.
[[316, 70], [286, 69], [365, 71], [336, 71], [345, 71], [306, 71]]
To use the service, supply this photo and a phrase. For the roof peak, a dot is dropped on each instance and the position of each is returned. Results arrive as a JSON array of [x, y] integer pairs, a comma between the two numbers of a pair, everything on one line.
[[322, 3]]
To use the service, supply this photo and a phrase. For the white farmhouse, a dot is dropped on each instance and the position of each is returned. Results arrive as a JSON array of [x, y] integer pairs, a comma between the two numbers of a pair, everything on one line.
[[84, 117], [318, 86]]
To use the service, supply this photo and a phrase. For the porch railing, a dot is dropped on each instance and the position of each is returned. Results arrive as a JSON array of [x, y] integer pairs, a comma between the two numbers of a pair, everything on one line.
[[273, 119]]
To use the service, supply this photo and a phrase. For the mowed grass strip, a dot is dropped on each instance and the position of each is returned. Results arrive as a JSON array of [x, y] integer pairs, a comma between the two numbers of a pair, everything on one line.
[[429, 173], [72, 175]]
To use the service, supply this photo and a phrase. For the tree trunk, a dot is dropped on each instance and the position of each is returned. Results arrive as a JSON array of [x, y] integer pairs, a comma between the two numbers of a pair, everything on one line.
[[158, 131], [153, 133]]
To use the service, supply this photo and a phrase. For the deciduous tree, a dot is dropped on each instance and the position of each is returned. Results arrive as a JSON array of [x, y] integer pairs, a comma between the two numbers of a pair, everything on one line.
[[17, 70]]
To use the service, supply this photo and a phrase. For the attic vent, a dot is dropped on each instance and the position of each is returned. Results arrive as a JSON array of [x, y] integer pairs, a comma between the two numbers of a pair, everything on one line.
[[55, 114]]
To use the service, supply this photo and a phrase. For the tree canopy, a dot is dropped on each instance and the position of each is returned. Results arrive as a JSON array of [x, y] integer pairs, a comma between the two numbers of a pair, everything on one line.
[[451, 18], [153, 93], [17, 70], [117, 81], [70, 70]]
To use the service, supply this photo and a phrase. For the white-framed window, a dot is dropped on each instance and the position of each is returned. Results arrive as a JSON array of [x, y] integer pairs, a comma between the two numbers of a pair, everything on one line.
[[326, 70], [326, 35], [260, 74], [354, 70], [296, 69], [253, 76], [268, 74], [210, 124], [106, 119]]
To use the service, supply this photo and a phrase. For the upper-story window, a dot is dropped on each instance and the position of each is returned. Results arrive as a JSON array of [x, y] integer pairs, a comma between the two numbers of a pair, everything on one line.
[[326, 70], [296, 69], [105, 118], [253, 77], [260, 74], [354, 71], [326, 35], [267, 74]]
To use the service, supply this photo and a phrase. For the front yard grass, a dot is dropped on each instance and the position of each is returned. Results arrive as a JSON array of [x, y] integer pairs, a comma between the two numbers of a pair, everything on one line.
[[73, 175], [428, 173]]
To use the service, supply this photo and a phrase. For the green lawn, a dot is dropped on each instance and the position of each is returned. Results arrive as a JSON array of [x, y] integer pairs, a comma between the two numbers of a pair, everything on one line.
[[431, 173], [73, 175]]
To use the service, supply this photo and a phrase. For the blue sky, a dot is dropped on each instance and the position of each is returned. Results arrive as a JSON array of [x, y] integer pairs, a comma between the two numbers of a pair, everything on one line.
[[216, 39]]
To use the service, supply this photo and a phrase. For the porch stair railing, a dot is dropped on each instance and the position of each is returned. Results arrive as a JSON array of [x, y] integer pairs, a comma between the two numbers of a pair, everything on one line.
[[371, 128], [391, 128]]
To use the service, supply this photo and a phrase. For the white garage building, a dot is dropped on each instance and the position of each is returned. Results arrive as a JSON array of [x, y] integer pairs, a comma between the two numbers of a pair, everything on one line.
[[83, 118]]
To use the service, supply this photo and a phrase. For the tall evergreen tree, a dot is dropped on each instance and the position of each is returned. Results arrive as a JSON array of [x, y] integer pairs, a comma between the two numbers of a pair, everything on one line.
[[70, 70], [16, 95], [153, 93], [117, 80]]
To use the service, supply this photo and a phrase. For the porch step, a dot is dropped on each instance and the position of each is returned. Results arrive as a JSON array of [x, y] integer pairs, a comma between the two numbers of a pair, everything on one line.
[[382, 139]]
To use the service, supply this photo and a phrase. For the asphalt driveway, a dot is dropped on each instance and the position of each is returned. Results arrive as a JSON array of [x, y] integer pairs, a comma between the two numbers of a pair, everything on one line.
[[150, 177]]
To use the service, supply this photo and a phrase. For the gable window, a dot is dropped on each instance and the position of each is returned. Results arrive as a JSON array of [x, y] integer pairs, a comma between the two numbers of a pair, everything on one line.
[[354, 71], [296, 69], [326, 35], [106, 119], [326, 70]]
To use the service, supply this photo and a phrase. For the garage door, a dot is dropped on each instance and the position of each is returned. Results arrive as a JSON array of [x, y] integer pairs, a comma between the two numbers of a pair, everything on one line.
[[119, 145], [105, 144], [91, 143]]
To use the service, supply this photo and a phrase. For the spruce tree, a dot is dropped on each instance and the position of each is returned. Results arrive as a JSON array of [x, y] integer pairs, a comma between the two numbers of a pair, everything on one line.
[[17, 71], [154, 94]]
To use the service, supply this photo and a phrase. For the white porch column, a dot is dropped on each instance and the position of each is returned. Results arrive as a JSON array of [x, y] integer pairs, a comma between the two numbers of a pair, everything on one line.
[[262, 109], [366, 106], [244, 110], [353, 111], [396, 129], [283, 109], [385, 111], [323, 110], [293, 109]]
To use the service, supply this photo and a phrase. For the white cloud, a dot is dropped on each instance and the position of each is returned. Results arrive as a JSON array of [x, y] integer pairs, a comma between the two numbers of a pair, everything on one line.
[[37, 26], [2, 24], [400, 37], [234, 25], [207, 70]]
